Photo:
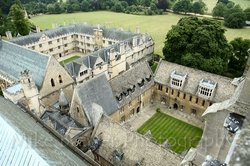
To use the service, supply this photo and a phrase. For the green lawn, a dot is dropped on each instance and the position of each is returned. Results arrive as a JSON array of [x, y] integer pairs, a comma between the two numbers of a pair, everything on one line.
[[157, 26], [69, 59], [180, 135]]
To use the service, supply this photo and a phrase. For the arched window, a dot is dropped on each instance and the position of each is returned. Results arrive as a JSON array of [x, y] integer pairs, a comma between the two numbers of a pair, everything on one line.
[[52, 82], [60, 79]]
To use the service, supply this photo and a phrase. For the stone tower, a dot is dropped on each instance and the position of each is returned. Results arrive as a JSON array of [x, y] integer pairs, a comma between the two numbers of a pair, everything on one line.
[[63, 102], [98, 37], [30, 91]]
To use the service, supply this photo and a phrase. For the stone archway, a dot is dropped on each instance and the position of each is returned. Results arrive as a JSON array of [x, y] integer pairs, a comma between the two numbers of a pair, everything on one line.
[[175, 106], [60, 55]]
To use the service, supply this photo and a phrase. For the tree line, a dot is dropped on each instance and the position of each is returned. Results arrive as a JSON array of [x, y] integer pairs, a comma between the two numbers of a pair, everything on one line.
[[234, 16], [201, 44]]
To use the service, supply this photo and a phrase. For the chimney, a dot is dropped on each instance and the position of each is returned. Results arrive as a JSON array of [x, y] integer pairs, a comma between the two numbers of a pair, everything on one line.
[[137, 30], [8, 35], [38, 29]]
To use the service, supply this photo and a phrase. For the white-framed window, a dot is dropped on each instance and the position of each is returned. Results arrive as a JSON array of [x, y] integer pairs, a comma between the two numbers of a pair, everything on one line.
[[206, 88], [177, 80]]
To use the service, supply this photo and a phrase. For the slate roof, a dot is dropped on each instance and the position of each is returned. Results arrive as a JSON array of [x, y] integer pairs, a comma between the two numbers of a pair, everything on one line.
[[15, 59], [97, 90], [38, 140], [74, 28], [132, 148], [60, 121], [90, 59], [224, 89], [130, 78]]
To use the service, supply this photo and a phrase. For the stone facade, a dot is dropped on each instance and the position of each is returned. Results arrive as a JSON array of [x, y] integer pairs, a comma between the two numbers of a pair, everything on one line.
[[189, 90]]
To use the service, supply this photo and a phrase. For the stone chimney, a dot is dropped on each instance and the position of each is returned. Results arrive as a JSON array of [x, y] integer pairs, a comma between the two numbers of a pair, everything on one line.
[[8, 35], [38, 29]]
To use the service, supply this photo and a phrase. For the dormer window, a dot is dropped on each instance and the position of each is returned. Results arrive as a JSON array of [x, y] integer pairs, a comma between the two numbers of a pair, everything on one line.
[[119, 97], [117, 57], [206, 88], [118, 155], [140, 82], [99, 65], [148, 78], [133, 89], [126, 92], [177, 80], [83, 72]]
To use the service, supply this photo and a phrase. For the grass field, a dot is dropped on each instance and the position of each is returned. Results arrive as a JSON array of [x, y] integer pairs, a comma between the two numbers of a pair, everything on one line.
[[157, 26], [69, 59], [180, 135]]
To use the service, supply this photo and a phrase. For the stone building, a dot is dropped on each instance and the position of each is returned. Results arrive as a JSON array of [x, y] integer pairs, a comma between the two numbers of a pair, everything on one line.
[[85, 39], [219, 143], [120, 98], [112, 144], [190, 90], [31, 77], [25, 142]]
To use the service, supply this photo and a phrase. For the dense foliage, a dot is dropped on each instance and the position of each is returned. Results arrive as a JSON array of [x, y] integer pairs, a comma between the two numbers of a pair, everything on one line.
[[147, 7], [238, 61], [234, 16], [198, 43], [15, 21], [186, 6]]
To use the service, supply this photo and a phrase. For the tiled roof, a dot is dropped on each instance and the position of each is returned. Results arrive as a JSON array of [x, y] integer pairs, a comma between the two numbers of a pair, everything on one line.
[[96, 90], [224, 89], [40, 142], [75, 28], [129, 147], [15, 59], [130, 78]]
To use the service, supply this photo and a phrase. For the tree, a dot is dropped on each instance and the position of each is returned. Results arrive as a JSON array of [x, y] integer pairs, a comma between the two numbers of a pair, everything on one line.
[[163, 4], [238, 61], [235, 17], [17, 17], [247, 13], [199, 7], [219, 10], [198, 43], [182, 6]]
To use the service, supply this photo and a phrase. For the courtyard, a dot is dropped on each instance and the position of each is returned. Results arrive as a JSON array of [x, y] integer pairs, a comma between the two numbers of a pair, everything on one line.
[[179, 135], [170, 128]]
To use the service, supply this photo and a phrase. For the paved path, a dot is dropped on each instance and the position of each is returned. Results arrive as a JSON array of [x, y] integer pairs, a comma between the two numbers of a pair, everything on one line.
[[136, 121]]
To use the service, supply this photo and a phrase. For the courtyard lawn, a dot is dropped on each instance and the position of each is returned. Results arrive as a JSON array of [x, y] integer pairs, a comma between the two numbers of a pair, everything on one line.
[[180, 135], [69, 59], [157, 26]]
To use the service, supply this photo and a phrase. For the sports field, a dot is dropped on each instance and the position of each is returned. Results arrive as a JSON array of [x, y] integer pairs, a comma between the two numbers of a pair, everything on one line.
[[180, 135], [157, 26]]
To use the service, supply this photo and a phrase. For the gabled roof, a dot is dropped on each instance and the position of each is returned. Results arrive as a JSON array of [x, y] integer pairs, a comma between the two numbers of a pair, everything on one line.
[[224, 89], [30, 140], [123, 147], [15, 59], [74, 28], [97, 90], [125, 81]]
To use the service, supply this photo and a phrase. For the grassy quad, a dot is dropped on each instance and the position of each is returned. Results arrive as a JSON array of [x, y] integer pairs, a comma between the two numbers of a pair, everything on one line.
[[157, 26], [180, 135], [69, 59]]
